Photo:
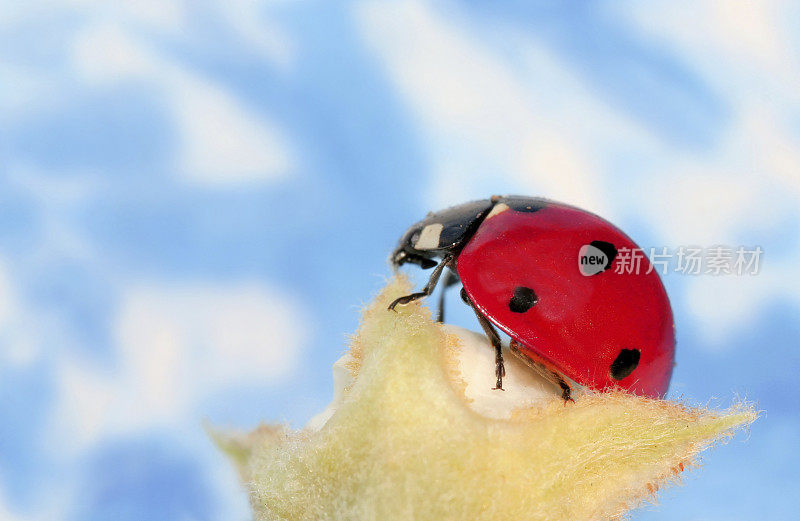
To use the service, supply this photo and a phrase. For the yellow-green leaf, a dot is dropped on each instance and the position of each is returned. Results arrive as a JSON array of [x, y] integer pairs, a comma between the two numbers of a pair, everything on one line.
[[404, 444]]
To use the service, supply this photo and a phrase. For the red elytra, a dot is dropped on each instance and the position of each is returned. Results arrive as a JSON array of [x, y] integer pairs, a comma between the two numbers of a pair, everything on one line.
[[579, 324]]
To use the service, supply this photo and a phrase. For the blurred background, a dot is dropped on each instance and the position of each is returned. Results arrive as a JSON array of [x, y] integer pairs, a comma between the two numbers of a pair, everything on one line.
[[196, 198]]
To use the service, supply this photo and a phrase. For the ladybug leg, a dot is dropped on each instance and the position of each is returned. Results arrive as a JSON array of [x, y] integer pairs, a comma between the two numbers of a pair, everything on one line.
[[566, 390], [494, 338], [542, 370], [429, 287], [448, 280]]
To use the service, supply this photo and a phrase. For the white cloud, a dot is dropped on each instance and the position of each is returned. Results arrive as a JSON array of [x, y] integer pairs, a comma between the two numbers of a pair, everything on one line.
[[170, 15], [177, 345], [233, 333], [700, 205], [222, 141], [724, 305], [477, 113], [774, 145], [20, 345], [250, 20], [742, 189], [526, 115], [86, 404], [742, 48], [106, 53], [7, 514], [749, 182], [23, 89], [6, 299]]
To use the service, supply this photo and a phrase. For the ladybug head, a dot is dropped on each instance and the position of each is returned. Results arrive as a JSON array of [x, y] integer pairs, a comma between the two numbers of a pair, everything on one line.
[[440, 234], [406, 252]]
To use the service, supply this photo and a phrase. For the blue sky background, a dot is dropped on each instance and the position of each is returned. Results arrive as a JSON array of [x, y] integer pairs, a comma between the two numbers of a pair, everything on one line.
[[196, 198]]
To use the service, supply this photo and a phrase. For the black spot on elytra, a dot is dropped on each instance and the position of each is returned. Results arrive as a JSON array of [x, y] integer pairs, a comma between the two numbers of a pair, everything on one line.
[[627, 360], [609, 249], [522, 300]]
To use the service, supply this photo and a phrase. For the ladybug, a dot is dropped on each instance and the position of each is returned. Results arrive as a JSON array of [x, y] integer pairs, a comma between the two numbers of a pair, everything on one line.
[[544, 273]]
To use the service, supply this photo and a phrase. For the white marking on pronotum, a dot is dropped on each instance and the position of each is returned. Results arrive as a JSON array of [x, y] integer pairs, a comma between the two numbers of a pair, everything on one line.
[[497, 209], [429, 237]]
